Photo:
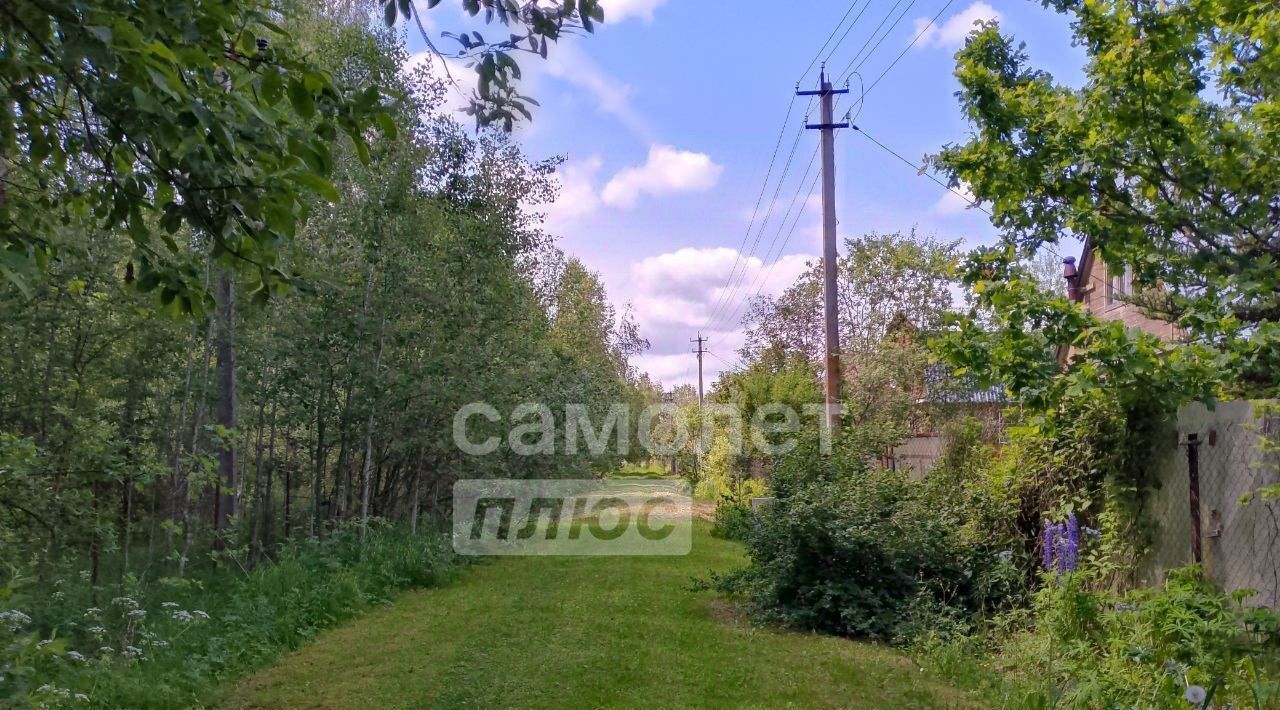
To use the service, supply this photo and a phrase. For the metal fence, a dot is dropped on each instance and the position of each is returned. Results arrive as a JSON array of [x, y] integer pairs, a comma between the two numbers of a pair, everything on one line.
[[1210, 506], [917, 454]]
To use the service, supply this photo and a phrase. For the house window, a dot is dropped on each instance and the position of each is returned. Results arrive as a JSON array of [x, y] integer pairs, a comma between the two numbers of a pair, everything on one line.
[[1119, 285]]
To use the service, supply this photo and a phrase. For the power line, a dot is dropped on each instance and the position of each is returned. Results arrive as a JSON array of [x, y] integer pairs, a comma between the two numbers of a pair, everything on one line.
[[903, 53], [867, 42], [924, 171], [725, 316], [729, 315], [726, 295], [845, 73], [846, 34], [731, 365], [763, 279], [764, 186], [834, 30]]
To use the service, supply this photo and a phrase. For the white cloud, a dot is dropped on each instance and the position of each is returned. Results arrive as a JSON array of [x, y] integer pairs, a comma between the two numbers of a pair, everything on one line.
[[568, 63], [952, 203], [667, 171], [619, 10], [674, 295], [670, 370], [578, 195], [953, 31]]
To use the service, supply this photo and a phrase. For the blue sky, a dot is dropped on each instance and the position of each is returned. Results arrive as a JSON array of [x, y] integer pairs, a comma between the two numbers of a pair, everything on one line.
[[668, 116]]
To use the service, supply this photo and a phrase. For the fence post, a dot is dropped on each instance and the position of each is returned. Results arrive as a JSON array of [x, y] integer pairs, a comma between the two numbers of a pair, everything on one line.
[[1193, 478]]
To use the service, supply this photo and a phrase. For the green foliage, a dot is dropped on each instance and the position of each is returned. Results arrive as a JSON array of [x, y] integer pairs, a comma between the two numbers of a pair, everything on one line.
[[169, 642], [857, 550], [1145, 648], [651, 472], [1013, 334], [883, 280], [528, 27], [428, 285], [646, 638], [165, 119], [734, 517], [1162, 161]]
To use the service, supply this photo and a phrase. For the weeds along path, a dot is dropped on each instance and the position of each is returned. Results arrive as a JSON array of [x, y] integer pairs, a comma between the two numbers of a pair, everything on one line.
[[544, 632]]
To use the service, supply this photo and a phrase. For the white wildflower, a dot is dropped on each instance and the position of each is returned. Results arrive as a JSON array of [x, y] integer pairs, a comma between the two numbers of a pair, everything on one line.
[[132, 651], [14, 619], [127, 602], [82, 698], [97, 630], [137, 614], [92, 611], [182, 615], [200, 614], [169, 605], [75, 656]]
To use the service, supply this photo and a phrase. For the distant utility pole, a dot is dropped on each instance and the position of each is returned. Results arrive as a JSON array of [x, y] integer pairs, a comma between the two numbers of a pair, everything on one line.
[[699, 340], [828, 126]]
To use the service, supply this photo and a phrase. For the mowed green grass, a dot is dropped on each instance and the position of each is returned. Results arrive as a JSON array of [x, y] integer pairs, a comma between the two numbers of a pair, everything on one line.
[[544, 632]]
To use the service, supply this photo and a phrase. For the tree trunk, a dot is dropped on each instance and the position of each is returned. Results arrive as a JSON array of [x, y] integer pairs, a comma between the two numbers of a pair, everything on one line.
[[224, 496], [255, 526], [366, 476], [321, 454], [266, 502]]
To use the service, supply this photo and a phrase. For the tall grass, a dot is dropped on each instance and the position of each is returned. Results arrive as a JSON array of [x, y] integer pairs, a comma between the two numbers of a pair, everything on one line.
[[170, 642]]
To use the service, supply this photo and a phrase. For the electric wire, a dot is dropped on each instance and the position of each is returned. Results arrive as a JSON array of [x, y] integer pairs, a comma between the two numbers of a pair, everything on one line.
[[759, 284], [727, 295], [764, 186]]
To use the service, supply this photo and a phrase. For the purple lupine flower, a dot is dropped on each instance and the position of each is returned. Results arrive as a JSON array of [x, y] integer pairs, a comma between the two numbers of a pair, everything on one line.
[[1061, 545], [1073, 543], [1063, 550]]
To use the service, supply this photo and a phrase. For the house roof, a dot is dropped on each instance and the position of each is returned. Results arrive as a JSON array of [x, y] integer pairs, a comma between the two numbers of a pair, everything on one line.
[[942, 386]]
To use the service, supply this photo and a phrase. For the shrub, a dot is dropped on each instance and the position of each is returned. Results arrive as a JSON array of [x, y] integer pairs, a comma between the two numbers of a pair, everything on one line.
[[1151, 647], [1077, 647], [853, 549], [734, 517]]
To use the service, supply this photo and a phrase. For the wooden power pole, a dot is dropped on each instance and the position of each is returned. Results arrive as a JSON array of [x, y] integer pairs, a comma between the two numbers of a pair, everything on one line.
[[699, 340], [826, 96]]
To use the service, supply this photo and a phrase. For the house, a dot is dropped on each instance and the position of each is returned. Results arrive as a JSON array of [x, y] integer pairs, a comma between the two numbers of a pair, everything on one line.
[[1106, 293], [938, 397], [945, 397]]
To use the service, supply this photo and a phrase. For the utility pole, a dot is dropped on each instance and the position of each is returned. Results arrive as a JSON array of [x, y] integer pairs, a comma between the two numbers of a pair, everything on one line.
[[826, 96], [699, 340]]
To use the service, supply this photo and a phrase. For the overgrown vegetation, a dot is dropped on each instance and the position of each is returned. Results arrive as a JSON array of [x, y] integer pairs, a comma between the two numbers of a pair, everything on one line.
[[144, 642], [234, 341]]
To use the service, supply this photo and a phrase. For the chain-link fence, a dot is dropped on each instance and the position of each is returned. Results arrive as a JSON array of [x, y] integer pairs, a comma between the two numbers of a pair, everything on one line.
[[1213, 503]]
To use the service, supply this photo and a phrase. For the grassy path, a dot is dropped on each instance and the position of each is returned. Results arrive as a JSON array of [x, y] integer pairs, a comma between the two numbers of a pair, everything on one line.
[[586, 633]]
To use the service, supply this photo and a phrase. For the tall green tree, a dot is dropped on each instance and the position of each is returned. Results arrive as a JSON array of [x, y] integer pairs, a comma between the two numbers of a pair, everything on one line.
[[1164, 160], [166, 119]]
